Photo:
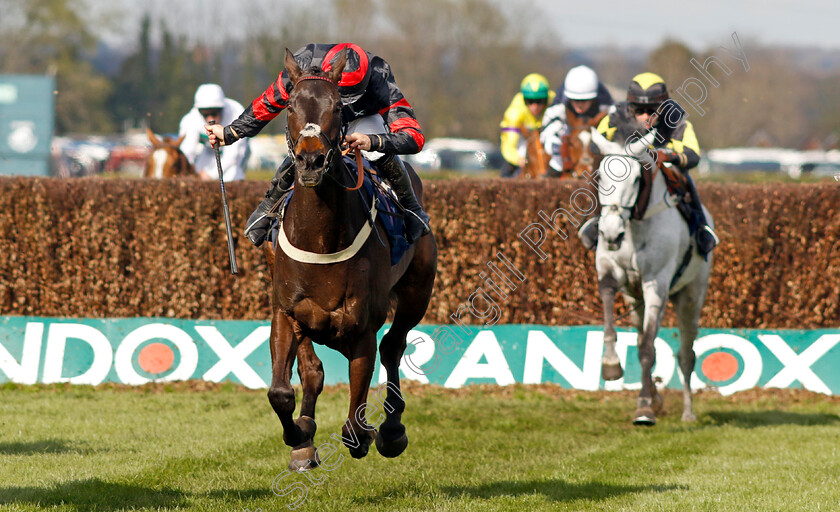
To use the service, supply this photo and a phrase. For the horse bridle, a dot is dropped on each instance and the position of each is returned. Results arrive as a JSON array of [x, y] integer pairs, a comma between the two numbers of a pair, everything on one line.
[[669, 201], [333, 145], [617, 155]]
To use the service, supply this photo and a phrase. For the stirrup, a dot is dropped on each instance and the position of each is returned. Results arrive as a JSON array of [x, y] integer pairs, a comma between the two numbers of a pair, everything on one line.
[[254, 223], [586, 237], [702, 248], [416, 226], [712, 232]]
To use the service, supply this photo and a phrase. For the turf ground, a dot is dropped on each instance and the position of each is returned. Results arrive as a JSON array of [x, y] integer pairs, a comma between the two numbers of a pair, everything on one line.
[[200, 447]]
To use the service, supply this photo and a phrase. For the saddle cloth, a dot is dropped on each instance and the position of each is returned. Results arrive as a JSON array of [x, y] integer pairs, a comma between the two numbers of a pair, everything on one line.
[[389, 211]]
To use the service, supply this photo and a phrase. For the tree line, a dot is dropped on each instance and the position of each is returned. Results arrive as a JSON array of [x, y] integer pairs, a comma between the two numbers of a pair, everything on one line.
[[459, 62]]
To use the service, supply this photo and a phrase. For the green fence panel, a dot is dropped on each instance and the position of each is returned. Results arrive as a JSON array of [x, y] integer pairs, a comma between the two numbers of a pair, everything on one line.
[[139, 350]]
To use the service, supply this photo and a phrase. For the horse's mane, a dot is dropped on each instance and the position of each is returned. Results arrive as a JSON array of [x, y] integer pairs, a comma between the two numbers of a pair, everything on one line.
[[313, 71], [626, 126]]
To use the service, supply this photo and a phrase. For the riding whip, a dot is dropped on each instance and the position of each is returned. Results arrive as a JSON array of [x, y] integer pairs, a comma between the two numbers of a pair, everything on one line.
[[231, 250]]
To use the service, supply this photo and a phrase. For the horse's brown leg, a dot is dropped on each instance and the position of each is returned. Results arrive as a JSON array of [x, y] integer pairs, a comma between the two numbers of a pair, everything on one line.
[[268, 250], [392, 439], [281, 395], [414, 290], [610, 364], [311, 373], [358, 434]]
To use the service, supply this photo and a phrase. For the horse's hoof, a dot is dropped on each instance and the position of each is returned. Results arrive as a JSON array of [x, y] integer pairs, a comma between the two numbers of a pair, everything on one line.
[[393, 448], [658, 404], [304, 457], [644, 417], [611, 371], [364, 445], [689, 416]]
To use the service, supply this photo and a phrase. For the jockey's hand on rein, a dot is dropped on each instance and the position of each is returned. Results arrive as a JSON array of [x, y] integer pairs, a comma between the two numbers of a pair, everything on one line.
[[666, 156], [358, 140]]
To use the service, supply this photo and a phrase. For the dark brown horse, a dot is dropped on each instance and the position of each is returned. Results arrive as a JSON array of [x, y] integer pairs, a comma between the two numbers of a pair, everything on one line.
[[333, 286], [575, 146], [166, 159], [536, 157]]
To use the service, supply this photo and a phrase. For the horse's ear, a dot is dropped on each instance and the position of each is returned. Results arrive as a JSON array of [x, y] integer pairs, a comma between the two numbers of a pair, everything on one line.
[[292, 67], [153, 138], [603, 144], [638, 147], [179, 140], [338, 63]]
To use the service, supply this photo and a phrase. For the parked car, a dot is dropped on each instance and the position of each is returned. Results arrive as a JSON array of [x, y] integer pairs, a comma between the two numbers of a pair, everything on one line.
[[466, 155]]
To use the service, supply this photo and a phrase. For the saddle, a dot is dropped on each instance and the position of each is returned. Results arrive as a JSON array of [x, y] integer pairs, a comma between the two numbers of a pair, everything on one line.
[[677, 185], [389, 210]]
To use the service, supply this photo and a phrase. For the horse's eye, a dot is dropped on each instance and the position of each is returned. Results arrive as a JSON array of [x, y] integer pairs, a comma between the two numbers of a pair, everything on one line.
[[290, 109]]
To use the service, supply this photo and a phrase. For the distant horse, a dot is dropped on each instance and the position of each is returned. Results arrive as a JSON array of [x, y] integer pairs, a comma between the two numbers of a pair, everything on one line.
[[333, 282], [536, 157], [574, 147], [646, 251], [166, 159]]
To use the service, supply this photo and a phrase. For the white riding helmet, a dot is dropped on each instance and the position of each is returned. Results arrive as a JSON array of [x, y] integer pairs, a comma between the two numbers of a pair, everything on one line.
[[209, 96], [581, 84]]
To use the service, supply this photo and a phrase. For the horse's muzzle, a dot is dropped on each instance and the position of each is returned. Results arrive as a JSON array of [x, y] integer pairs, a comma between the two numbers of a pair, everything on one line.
[[312, 179], [615, 245], [311, 168], [612, 229]]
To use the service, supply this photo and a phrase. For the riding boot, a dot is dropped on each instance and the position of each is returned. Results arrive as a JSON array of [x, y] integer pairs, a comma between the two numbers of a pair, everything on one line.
[[259, 222], [416, 220], [705, 236]]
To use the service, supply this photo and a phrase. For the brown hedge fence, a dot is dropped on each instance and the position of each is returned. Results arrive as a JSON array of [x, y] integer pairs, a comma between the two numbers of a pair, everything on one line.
[[114, 248]]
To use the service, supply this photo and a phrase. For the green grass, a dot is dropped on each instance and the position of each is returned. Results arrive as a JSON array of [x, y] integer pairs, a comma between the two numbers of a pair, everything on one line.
[[520, 448]]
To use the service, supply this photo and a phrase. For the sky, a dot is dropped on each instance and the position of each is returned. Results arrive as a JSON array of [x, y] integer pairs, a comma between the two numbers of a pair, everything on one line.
[[699, 24], [579, 23]]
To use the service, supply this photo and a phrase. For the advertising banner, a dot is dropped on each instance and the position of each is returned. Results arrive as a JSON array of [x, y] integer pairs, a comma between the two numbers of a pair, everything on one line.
[[26, 123], [138, 350]]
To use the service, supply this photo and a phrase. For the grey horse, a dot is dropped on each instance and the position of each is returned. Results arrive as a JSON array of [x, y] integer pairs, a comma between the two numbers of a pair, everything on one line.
[[649, 260]]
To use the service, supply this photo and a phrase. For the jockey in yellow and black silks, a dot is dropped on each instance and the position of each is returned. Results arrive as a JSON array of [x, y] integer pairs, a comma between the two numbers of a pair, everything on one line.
[[525, 112], [649, 106]]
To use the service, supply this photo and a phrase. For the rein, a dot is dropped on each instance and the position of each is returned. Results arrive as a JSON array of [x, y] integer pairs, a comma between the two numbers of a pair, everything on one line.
[[333, 145], [363, 234], [668, 200]]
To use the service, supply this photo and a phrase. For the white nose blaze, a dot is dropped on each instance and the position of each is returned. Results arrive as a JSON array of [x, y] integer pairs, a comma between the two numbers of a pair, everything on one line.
[[311, 130], [159, 158]]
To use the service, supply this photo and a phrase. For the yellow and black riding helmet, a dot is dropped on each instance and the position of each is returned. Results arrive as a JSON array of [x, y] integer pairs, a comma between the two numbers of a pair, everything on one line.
[[647, 90]]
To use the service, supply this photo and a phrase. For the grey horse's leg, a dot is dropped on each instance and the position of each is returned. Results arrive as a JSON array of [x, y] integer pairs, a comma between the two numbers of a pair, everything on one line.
[[688, 303], [610, 364], [636, 310], [655, 296], [688, 316]]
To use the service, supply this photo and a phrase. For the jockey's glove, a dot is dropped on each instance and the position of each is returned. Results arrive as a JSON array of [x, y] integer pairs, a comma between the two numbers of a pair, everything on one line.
[[667, 156]]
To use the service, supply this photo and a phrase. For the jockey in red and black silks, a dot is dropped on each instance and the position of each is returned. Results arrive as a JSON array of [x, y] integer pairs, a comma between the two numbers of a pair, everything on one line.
[[367, 87], [372, 104]]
